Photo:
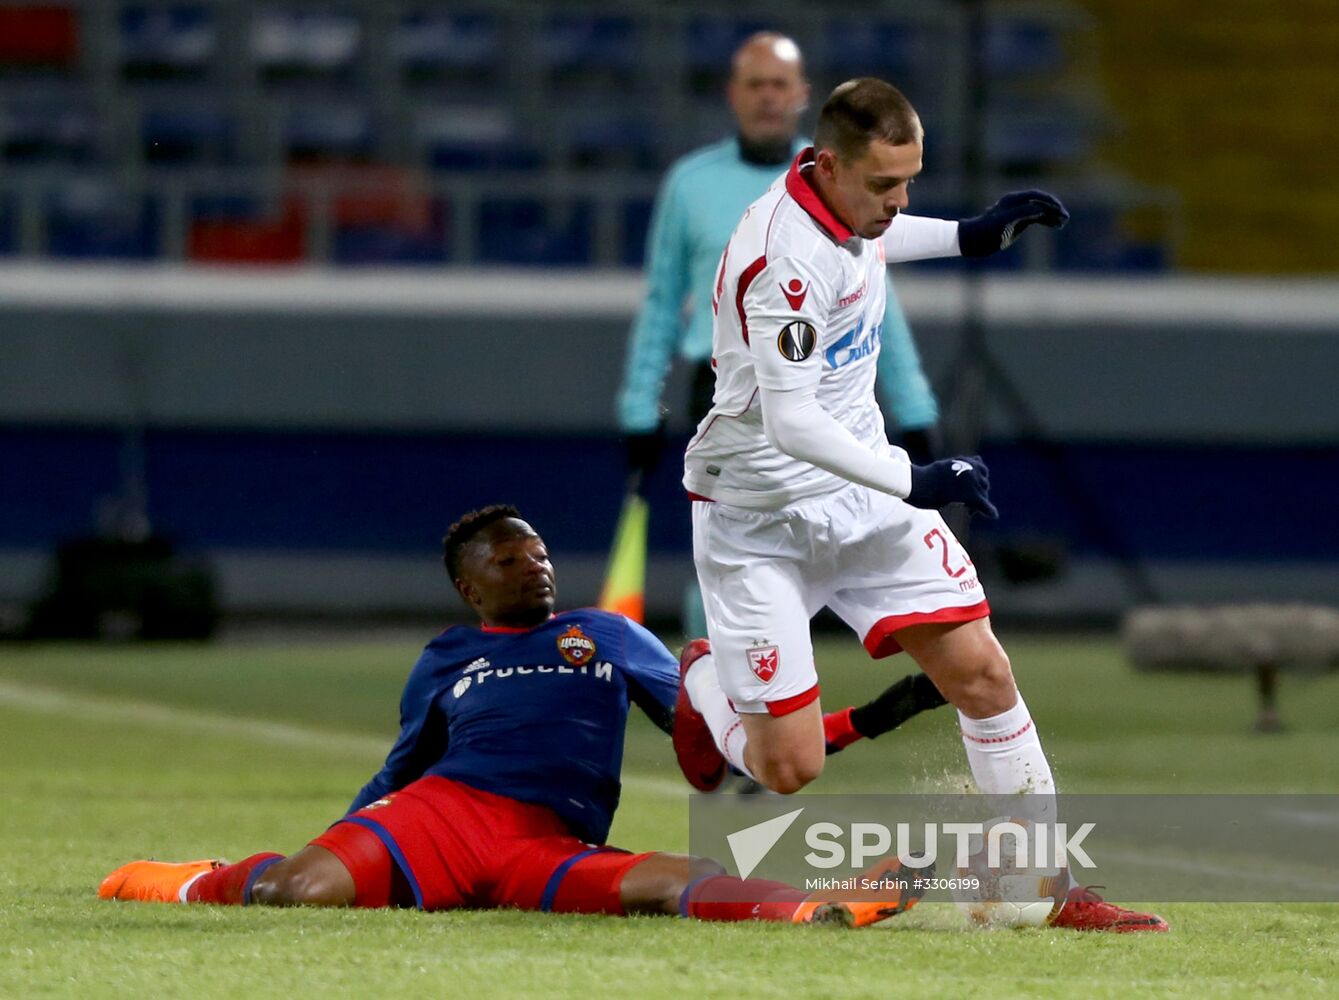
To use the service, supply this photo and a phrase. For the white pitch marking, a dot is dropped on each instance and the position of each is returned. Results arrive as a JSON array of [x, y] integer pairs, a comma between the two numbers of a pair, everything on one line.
[[50, 701]]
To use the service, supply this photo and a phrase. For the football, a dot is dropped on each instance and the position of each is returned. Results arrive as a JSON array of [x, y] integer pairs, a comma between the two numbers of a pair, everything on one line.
[[1015, 892]]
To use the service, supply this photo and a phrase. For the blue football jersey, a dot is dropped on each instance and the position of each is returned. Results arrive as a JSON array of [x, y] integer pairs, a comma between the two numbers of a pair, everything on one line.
[[537, 714]]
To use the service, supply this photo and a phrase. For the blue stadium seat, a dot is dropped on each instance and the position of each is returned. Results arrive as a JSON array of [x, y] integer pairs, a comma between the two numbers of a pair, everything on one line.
[[50, 126], [613, 136], [892, 50], [523, 231], [91, 219], [1023, 47], [575, 46], [1033, 137], [636, 213], [9, 225], [167, 42], [187, 134], [367, 243], [1095, 240], [316, 130], [225, 207], [433, 46], [711, 41], [306, 44], [476, 138]]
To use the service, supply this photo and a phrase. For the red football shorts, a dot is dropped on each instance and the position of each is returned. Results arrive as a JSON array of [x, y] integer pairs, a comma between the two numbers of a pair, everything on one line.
[[458, 846]]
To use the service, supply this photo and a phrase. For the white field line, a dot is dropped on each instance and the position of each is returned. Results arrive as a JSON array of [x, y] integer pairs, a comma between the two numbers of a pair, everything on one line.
[[1235, 873], [50, 701]]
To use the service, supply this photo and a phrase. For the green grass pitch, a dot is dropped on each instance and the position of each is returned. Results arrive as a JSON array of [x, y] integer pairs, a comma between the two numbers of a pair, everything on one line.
[[179, 752]]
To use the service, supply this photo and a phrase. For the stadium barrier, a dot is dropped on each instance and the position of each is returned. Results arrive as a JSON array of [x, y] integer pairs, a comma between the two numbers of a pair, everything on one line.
[[312, 432]]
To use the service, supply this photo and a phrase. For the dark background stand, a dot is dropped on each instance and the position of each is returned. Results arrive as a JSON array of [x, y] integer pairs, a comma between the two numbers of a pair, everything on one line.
[[976, 377]]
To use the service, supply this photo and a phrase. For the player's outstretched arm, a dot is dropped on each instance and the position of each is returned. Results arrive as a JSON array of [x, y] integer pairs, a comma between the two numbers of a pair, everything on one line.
[[915, 237], [997, 227]]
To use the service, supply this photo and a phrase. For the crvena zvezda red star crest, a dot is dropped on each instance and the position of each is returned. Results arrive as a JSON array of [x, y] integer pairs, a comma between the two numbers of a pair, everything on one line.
[[763, 661]]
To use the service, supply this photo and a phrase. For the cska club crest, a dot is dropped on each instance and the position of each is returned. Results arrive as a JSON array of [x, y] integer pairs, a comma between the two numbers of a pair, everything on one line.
[[764, 661], [576, 646]]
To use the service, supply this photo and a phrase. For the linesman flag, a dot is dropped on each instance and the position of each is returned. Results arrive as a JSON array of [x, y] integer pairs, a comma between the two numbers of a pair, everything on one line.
[[625, 579]]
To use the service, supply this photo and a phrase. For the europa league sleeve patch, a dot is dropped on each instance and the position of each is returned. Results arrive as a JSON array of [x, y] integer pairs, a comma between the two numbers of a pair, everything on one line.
[[796, 341]]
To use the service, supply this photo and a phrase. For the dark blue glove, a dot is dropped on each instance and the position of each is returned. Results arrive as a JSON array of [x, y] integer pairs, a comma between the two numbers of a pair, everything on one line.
[[642, 451], [998, 226], [952, 480]]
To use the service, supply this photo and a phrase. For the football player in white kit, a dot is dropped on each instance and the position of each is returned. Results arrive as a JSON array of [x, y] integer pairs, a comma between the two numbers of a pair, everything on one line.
[[799, 501]]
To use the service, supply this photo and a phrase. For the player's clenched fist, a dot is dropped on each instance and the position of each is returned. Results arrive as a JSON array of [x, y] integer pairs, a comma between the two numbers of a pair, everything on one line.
[[952, 480], [999, 225]]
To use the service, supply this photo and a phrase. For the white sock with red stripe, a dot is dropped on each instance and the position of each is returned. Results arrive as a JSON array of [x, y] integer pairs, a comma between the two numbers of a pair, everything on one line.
[[704, 691], [1006, 758]]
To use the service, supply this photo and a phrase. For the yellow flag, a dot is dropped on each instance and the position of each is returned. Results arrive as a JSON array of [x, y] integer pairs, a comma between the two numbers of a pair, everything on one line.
[[625, 579]]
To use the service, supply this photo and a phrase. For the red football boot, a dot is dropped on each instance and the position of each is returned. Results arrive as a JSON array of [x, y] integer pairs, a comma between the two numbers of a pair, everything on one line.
[[694, 746], [1085, 910]]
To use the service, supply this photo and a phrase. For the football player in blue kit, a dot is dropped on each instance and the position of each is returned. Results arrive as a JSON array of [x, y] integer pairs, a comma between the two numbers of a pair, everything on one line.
[[500, 790]]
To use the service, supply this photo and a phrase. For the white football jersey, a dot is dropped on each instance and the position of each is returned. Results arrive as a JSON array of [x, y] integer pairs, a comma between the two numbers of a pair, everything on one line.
[[798, 299]]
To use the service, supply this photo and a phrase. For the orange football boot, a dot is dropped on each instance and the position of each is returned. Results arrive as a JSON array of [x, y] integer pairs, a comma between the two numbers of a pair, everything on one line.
[[899, 890], [153, 881]]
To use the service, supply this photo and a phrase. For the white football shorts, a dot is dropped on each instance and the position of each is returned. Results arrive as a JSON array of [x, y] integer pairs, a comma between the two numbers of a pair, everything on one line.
[[876, 561]]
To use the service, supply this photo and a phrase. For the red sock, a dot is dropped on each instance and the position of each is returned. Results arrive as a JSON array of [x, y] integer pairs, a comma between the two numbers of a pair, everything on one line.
[[231, 884], [838, 730], [724, 897]]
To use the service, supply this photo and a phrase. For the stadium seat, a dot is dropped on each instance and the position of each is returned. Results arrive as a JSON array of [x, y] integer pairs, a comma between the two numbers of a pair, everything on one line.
[[192, 133], [50, 126], [9, 225], [1023, 47], [588, 50], [387, 243], [243, 229], [306, 44], [709, 47], [38, 37], [526, 231], [437, 47], [1096, 240], [893, 50], [636, 218], [325, 130], [1026, 138], [472, 138], [93, 218], [611, 137], [171, 43], [379, 214]]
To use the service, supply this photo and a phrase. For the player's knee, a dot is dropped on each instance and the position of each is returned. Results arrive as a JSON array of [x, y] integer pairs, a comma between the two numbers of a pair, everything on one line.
[[789, 773], [986, 685], [280, 886]]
